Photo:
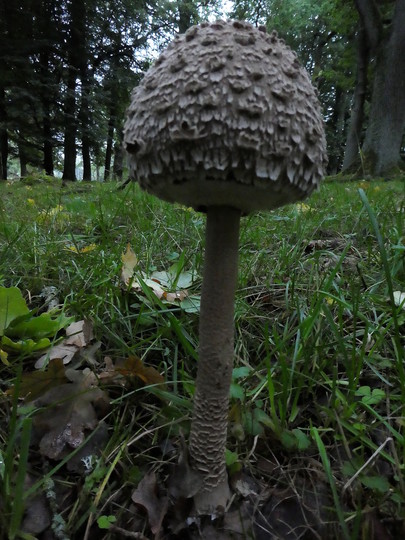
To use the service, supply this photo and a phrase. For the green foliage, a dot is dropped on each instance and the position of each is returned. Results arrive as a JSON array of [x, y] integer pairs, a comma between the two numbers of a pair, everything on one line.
[[318, 364], [21, 331]]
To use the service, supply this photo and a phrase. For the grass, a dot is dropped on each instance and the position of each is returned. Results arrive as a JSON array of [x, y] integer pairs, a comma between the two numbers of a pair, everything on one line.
[[318, 393]]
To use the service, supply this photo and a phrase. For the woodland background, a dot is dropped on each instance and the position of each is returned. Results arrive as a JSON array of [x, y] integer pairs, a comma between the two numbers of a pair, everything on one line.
[[67, 68]]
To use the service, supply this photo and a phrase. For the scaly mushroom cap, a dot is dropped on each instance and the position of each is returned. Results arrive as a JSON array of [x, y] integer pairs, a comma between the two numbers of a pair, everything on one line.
[[226, 116]]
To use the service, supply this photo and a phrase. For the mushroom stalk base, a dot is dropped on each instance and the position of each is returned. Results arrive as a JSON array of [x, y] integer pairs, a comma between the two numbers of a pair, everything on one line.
[[216, 350]]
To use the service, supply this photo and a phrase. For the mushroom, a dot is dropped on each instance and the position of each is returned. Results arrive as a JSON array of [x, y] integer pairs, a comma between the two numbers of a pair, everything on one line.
[[226, 121]]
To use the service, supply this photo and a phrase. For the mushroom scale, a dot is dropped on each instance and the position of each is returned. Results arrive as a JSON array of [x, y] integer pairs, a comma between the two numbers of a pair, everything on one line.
[[226, 116]]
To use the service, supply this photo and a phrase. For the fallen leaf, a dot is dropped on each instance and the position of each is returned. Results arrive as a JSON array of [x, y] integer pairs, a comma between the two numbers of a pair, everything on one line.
[[79, 335], [399, 298], [69, 415], [37, 514], [184, 482], [61, 352], [168, 286], [129, 262], [33, 385], [134, 367], [146, 495]]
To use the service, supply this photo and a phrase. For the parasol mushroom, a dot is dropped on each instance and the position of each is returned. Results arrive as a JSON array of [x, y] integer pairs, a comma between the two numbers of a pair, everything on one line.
[[228, 122]]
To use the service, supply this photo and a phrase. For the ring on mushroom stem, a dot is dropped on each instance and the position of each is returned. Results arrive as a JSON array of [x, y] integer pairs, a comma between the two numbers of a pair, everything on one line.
[[229, 123]]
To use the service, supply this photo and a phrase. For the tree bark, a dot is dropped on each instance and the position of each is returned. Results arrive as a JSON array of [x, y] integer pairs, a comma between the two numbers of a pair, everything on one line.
[[69, 164], [3, 136], [118, 165], [386, 126], [338, 129], [109, 146], [84, 116], [46, 113], [23, 161], [380, 152], [188, 15], [76, 57], [367, 41], [211, 400]]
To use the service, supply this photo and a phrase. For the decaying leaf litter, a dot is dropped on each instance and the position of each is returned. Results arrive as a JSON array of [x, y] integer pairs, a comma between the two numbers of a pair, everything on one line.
[[268, 445]]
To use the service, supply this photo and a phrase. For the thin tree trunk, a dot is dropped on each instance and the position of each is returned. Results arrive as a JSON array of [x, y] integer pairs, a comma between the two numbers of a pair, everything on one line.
[[48, 147], [118, 165], [69, 165], [76, 57], [354, 135], [84, 117], [47, 123], [23, 162], [109, 147], [338, 125], [3, 137]]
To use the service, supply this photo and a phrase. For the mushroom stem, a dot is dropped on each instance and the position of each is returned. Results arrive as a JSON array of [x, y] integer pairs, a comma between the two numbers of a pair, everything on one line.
[[211, 399]]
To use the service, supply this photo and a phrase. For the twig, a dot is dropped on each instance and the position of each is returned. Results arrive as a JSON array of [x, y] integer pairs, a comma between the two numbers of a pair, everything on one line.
[[367, 463]]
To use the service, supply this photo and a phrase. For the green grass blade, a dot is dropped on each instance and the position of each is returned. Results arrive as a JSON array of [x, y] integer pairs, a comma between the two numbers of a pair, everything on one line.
[[18, 499], [329, 474]]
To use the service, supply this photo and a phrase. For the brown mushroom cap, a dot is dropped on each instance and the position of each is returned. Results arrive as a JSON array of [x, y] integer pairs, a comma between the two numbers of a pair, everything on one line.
[[226, 116]]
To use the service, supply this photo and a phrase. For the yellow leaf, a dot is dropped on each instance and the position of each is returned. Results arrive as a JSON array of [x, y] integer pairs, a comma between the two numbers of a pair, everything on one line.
[[85, 249], [302, 207], [129, 262], [3, 357]]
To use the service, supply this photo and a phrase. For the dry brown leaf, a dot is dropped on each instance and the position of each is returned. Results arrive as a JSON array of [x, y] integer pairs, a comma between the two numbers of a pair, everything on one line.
[[79, 335], [62, 352], [146, 495], [35, 384], [184, 482], [134, 367], [37, 515], [173, 297], [69, 415]]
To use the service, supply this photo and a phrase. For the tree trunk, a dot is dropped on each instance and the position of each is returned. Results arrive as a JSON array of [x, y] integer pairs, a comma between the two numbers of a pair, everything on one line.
[[76, 58], [3, 137], [109, 147], [118, 165], [84, 116], [367, 39], [69, 164], [188, 15], [386, 126], [23, 162], [47, 137], [338, 128], [48, 145], [386, 122]]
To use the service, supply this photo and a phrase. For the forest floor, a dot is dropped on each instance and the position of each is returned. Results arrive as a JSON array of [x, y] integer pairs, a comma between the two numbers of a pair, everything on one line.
[[99, 301]]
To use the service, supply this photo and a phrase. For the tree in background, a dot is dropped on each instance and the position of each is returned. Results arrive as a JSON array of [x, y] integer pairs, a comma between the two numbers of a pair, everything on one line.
[[321, 32], [381, 51], [67, 68], [66, 71]]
